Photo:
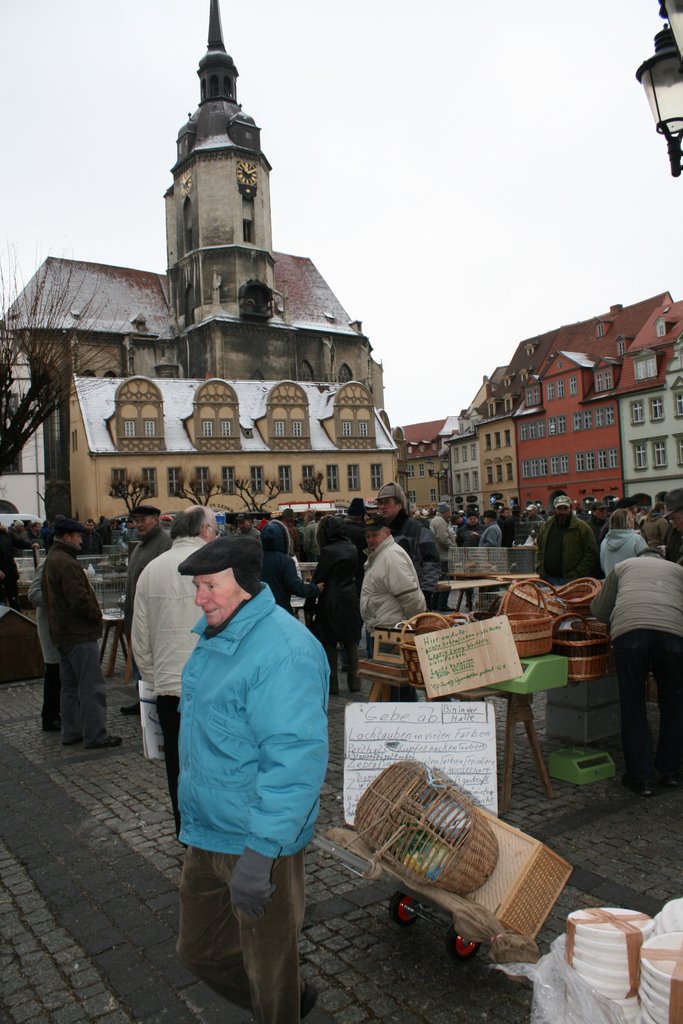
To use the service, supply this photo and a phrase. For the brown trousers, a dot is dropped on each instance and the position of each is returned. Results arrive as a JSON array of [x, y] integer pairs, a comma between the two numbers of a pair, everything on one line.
[[253, 962]]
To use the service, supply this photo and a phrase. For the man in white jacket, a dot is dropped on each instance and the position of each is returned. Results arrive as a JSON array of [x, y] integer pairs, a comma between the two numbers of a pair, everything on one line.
[[391, 589], [163, 617]]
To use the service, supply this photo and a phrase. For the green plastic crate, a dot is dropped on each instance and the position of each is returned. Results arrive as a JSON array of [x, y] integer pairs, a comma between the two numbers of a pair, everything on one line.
[[547, 672], [581, 766]]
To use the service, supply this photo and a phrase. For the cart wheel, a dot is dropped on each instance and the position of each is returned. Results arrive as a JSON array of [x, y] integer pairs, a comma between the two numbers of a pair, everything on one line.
[[459, 948], [401, 909]]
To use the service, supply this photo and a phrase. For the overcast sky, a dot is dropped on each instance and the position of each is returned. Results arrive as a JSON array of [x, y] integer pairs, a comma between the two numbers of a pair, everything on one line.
[[464, 175]]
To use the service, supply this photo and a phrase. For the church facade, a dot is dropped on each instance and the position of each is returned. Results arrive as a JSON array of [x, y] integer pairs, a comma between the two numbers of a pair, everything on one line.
[[229, 307]]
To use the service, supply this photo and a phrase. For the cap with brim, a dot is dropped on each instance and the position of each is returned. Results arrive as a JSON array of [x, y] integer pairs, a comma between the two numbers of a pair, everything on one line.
[[443, 507], [66, 525], [244, 555], [145, 510], [490, 514], [562, 500], [626, 503], [375, 522]]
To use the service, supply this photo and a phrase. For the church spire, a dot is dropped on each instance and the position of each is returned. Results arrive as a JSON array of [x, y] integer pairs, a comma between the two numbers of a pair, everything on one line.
[[217, 71]]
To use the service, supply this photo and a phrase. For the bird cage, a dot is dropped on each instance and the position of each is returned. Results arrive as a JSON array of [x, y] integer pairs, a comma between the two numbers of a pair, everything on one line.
[[110, 591], [482, 562]]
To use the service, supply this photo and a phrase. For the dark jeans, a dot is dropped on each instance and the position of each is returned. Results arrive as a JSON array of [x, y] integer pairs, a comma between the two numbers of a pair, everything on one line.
[[52, 691], [637, 653], [169, 720], [253, 962]]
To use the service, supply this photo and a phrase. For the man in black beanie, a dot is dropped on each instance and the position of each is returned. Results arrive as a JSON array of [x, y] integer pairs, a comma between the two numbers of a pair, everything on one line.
[[253, 756]]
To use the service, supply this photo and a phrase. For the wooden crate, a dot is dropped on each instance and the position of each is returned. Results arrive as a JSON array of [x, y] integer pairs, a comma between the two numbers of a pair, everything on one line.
[[526, 882], [22, 657]]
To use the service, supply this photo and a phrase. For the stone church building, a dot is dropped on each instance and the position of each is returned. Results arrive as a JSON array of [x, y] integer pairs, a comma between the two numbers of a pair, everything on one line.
[[229, 307]]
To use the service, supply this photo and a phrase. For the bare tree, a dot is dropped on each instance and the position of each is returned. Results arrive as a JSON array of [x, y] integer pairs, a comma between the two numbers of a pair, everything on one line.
[[313, 485], [130, 490], [256, 501], [198, 490], [37, 333]]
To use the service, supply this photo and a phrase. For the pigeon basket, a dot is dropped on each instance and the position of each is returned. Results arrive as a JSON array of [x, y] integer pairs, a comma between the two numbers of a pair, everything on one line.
[[586, 648], [413, 817], [426, 622]]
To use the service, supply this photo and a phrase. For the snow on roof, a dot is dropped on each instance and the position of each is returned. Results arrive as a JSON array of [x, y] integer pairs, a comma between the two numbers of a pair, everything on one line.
[[96, 396], [580, 358]]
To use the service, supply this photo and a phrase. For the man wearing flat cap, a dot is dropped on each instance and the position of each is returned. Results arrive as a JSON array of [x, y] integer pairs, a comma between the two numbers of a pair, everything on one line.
[[566, 546], [673, 502], [153, 541], [413, 536], [253, 756], [75, 622]]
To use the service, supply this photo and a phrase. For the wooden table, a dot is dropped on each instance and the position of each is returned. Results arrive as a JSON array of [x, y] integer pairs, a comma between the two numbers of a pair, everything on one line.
[[113, 625]]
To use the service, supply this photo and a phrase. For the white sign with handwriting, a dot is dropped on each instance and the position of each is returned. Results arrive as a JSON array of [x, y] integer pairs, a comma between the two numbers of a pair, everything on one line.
[[458, 738]]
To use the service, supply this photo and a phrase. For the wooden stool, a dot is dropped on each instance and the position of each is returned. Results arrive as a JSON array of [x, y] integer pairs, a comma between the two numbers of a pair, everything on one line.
[[113, 624]]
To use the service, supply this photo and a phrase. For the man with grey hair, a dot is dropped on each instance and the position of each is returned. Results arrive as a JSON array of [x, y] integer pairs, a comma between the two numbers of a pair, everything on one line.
[[163, 618]]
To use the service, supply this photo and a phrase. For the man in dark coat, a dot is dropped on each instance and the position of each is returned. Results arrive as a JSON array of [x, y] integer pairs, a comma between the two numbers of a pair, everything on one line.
[[279, 570], [337, 615], [354, 528], [416, 539]]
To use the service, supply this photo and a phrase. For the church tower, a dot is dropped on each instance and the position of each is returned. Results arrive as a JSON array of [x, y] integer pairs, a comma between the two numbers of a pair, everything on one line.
[[218, 226]]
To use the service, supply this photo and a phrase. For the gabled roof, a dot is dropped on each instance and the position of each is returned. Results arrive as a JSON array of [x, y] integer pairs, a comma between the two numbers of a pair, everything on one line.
[[96, 396], [431, 430], [309, 300]]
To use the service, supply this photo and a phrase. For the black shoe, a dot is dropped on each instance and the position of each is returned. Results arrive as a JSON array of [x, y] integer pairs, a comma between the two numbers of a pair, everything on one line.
[[309, 997], [639, 788], [70, 743], [109, 741], [130, 709], [670, 781], [54, 726]]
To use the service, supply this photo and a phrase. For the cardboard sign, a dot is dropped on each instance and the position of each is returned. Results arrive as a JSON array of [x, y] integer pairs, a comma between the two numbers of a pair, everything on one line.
[[467, 657], [458, 738]]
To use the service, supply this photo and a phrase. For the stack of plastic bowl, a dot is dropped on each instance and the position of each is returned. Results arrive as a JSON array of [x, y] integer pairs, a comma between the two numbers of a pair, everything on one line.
[[657, 970], [599, 954], [669, 918]]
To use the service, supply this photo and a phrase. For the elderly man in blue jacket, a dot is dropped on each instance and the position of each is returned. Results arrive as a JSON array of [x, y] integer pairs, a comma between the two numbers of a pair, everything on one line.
[[253, 756]]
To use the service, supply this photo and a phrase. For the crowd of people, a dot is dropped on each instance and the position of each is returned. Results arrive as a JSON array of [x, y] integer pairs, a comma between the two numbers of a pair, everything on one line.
[[242, 685]]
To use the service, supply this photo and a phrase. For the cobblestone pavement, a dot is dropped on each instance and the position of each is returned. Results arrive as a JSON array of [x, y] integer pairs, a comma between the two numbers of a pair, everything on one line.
[[89, 869]]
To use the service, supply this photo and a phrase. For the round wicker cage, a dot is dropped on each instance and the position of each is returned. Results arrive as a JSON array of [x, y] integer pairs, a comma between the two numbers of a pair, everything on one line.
[[414, 817]]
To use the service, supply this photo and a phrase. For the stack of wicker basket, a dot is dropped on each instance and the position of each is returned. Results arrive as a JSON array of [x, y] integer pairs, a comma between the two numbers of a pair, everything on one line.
[[585, 643], [530, 622], [426, 622], [415, 818]]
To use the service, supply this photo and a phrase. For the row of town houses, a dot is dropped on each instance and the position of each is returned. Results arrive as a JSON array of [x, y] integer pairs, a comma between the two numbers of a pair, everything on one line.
[[593, 409]]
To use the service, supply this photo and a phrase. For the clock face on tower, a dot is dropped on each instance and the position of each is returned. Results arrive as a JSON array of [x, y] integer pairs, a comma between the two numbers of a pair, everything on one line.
[[186, 183], [247, 172]]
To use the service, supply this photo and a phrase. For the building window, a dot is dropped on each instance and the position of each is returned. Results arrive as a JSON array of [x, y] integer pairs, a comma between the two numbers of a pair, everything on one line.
[[376, 478], [489, 474], [150, 428], [554, 465], [637, 412], [580, 461], [129, 428], [587, 420], [659, 454], [497, 438], [549, 391], [284, 477], [201, 477], [207, 428], [421, 469], [307, 472], [600, 329], [560, 388], [640, 456], [333, 478], [508, 440], [599, 417], [678, 405], [509, 471], [279, 427], [621, 346], [679, 449], [577, 420], [256, 478], [226, 428], [412, 497], [645, 368], [411, 470], [456, 455], [499, 473], [487, 442], [613, 458], [119, 477], [346, 428], [660, 328], [363, 428], [473, 452], [590, 461], [656, 409], [573, 387], [464, 454], [609, 416], [173, 480], [353, 477], [149, 481], [602, 458], [475, 479], [247, 231], [533, 396], [297, 428], [603, 380], [228, 479], [466, 477]]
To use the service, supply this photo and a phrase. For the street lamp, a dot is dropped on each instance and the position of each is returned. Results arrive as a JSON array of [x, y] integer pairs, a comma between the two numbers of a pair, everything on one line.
[[662, 80], [439, 474]]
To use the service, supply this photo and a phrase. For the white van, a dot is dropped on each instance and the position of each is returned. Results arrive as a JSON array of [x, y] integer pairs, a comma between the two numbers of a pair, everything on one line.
[[7, 518]]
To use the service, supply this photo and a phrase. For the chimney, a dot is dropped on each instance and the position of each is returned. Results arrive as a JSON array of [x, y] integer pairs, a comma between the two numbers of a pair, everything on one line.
[[617, 308]]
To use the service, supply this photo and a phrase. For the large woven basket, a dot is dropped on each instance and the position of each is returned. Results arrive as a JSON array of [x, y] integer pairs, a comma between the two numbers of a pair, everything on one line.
[[426, 622], [533, 634], [586, 649], [528, 597], [578, 594], [415, 818]]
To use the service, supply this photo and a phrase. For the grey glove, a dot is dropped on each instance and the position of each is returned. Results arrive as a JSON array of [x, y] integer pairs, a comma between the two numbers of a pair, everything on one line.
[[250, 886]]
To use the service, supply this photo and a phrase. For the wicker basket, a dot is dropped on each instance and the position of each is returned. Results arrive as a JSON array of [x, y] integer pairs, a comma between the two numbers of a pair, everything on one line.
[[533, 634], [426, 622], [587, 650], [578, 594], [529, 598], [429, 831]]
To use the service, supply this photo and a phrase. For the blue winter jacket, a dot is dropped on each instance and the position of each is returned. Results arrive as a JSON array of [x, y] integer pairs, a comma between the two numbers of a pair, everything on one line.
[[253, 733]]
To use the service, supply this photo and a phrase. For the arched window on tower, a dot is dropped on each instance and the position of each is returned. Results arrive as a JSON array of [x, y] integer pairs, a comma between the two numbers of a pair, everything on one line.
[[306, 371], [213, 86], [344, 374], [203, 88], [189, 305], [227, 87], [187, 224]]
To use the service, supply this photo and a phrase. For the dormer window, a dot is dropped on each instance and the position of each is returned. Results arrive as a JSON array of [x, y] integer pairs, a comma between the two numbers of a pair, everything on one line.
[[621, 346], [600, 329], [603, 380], [660, 327], [645, 368]]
